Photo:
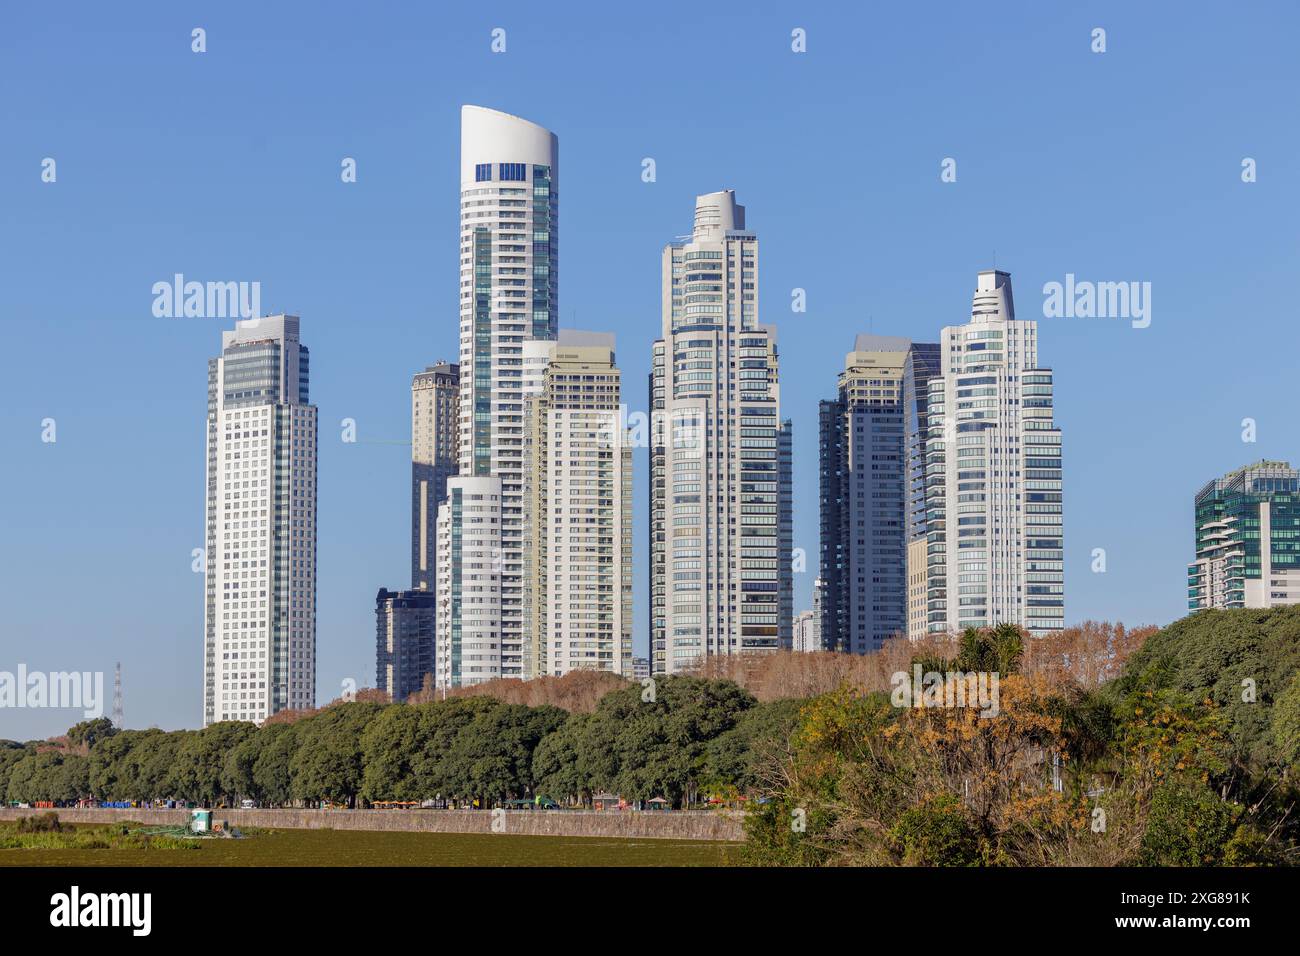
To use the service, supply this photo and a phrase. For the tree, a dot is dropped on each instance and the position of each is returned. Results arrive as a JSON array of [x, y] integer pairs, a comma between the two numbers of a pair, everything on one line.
[[1242, 660], [1285, 727], [154, 761], [327, 764], [658, 746], [494, 751], [556, 769], [276, 745], [89, 732], [49, 775], [389, 746], [197, 774], [11, 751], [439, 770], [735, 758]]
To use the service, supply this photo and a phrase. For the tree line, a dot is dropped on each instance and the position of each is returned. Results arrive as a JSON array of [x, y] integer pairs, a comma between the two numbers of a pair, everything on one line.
[[683, 740]]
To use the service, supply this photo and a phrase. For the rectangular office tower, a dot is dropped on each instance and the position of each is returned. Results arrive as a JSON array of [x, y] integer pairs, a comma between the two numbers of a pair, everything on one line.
[[720, 506], [435, 450], [578, 528], [1247, 539], [993, 475], [509, 205], [864, 492], [468, 587], [923, 363], [260, 609], [404, 641]]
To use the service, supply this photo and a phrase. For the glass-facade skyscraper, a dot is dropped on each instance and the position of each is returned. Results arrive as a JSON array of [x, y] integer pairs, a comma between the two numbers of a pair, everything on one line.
[[1247, 539], [866, 490]]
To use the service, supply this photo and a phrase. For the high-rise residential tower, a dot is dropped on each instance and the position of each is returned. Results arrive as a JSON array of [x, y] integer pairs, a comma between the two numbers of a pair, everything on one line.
[[993, 475], [260, 608], [807, 631], [923, 363], [1247, 539], [864, 484], [578, 528], [468, 588], [509, 204], [435, 451], [721, 537], [405, 627]]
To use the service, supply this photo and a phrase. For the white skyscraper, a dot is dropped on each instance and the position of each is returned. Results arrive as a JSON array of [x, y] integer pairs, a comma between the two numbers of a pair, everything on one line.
[[508, 282], [260, 607], [720, 500], [578, 531], [468, 587], [993, 475]]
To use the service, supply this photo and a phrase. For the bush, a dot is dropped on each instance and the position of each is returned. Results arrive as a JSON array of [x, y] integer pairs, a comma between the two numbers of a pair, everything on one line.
[[937, 833], [45, 823]]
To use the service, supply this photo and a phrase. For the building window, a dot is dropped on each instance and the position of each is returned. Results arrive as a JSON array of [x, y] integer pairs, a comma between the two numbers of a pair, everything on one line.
[[483, 173], [513, 172]]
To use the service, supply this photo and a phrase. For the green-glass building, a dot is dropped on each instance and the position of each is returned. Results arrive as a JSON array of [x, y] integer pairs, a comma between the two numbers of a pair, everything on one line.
[[1247, 539]]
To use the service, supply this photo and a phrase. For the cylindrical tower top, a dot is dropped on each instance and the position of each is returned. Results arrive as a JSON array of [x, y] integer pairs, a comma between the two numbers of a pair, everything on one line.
[[492, 138]]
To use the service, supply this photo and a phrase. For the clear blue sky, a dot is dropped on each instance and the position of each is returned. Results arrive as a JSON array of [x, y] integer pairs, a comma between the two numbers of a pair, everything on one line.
[[225, 166]]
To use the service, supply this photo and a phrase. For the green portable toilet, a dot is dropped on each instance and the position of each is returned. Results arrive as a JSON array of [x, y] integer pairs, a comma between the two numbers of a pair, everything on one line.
[[200, 821]]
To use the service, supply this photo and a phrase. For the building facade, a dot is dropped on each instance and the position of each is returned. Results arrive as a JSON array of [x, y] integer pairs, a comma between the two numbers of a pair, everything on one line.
[[924, 362], [863, 461], [578, 501], [807, 632], [260, 583], [1247, 539], [720, 531], [468, 619], [509, 280], [435, 452], [404, 641], [995, 551]]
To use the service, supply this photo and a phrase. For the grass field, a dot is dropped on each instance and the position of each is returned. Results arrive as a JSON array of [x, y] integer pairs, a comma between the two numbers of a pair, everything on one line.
[[383, 848]]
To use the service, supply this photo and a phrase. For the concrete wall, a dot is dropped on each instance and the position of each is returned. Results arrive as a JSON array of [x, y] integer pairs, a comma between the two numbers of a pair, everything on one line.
[[694, 825]]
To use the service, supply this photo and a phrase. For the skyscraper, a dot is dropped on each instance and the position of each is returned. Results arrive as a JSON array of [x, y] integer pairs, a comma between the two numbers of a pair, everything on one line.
[[405, 625], [1247, 539], [993, 467], [509, 279], [864, 479], [923, 363], [468, 589], [578, 532], [721, 577], [435, 450], [260, 607]]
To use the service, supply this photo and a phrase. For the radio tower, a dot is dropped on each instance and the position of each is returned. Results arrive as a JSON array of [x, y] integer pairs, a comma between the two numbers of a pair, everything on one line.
[[117, 696]]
